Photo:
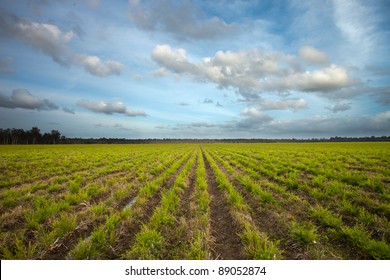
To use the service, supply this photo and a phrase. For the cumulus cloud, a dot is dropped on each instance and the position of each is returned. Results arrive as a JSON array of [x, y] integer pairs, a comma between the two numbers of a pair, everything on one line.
[[109, 108], [22, 98], [52, 41], [339, 107], [45, 37], [208, 101], [173, 60], [327, 79], [182, 19], [313, 55], [94, 66], [252, 72]]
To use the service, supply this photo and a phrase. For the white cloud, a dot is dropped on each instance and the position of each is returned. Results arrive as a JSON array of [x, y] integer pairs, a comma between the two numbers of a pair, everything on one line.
[[109, 108], [327, 79], [45, 37], [174, 60], [313, 55], [49, 39], [252, 112], [96, 67], [252, 72]]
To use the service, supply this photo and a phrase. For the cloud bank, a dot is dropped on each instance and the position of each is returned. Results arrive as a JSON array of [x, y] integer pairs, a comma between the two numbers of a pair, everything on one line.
[[252, 72]]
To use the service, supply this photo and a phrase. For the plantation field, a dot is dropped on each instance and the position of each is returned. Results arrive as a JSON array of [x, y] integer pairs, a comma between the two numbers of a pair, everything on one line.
[[195, 201]]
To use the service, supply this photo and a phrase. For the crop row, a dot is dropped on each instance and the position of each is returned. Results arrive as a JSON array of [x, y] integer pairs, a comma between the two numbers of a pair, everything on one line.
[[225, 201]]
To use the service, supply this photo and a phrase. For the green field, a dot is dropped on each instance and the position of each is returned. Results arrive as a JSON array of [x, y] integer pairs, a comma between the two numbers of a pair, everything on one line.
[[195, 201]]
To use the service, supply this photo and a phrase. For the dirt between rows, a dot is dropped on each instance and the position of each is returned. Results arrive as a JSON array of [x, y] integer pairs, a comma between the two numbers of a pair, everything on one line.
[[224, 231]]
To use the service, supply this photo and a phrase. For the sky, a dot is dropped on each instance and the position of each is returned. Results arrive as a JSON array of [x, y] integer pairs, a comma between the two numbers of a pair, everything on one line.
[[196, 69]]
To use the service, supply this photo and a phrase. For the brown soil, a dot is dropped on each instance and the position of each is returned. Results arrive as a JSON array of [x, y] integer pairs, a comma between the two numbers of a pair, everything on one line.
[[59, 249], [224, 231]]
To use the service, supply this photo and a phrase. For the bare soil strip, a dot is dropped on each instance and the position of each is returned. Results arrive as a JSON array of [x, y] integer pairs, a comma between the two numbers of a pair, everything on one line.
[[59, 249], [224, 232]]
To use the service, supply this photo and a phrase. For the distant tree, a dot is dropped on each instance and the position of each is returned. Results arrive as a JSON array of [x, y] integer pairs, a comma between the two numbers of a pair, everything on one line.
[[36, 134], [7, 135], [46, 138], [2, 135], [26, 136], [16, 135], [55, 136]]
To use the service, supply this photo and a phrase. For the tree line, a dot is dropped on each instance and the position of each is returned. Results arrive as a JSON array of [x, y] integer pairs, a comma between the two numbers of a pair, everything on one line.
[[33, 136]]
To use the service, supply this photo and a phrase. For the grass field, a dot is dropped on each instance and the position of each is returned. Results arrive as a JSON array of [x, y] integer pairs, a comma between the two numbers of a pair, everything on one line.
[[189, 201]]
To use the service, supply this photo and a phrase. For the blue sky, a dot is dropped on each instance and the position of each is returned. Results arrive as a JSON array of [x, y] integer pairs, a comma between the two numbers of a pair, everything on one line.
[[196, 69]]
